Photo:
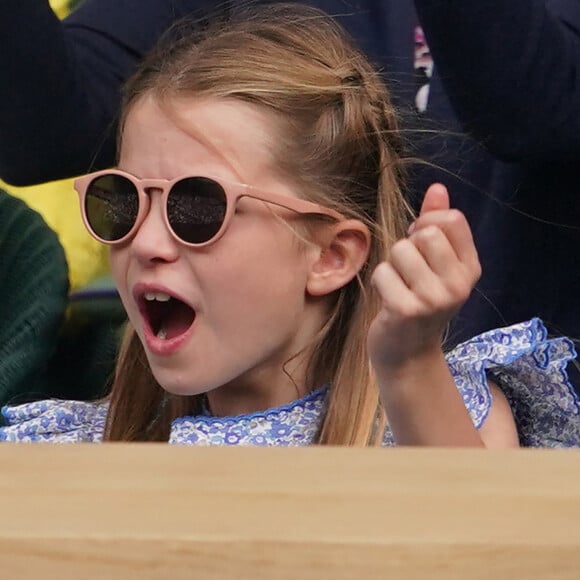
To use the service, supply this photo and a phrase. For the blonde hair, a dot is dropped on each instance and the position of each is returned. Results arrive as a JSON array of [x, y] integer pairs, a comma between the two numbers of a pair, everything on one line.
[[340, 144]]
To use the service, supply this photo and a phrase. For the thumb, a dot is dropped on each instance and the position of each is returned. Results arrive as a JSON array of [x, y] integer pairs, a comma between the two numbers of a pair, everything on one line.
[[436, 198]]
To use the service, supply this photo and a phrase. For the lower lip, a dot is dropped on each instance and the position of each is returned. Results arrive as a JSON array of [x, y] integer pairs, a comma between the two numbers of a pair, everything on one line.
[[166, 347]]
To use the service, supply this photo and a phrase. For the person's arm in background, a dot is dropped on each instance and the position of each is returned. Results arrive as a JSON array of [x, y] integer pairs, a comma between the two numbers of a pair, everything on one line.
[[60, 82], [511, 69]]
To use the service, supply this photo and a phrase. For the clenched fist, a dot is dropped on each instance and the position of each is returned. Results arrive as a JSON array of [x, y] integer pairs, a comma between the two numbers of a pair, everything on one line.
[[428, 277]]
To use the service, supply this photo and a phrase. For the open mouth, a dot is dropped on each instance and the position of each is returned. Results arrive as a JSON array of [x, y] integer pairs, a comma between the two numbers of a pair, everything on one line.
[[167, 317]]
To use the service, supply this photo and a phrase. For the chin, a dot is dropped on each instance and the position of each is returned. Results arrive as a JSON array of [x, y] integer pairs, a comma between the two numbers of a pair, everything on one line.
[[178, 387]]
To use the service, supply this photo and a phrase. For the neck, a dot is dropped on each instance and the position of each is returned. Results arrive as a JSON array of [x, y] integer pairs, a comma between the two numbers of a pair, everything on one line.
[[259, 392], [274, 384]]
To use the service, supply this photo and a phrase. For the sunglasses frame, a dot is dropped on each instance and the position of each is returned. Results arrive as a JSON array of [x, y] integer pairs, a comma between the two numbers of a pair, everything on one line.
[[233, 192]]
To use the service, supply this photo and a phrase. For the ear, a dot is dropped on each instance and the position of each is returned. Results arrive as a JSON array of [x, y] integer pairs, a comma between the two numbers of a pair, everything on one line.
[[342, 251]]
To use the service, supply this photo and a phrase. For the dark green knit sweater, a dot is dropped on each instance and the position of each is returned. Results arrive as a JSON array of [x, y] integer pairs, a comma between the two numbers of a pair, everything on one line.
[[33, 299]]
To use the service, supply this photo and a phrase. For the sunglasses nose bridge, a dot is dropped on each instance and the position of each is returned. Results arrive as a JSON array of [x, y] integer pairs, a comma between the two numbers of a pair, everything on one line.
[[150, 186]]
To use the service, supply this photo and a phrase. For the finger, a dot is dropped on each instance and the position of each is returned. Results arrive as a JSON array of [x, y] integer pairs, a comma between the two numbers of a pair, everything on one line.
[[407, 260], [436, 249], [396, 296], [456, 228], [455, 276], [436, 199]]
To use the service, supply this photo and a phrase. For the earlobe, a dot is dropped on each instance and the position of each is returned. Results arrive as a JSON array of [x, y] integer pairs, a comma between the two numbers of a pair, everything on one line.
[[340, 257]]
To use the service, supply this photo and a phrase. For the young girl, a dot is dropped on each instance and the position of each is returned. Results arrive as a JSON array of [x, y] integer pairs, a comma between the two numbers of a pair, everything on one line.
[[275, 291]]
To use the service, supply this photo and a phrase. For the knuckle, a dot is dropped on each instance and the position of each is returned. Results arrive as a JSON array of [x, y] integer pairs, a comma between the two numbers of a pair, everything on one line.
[[399, 249], [456, 217], [380, 274], [437, 299], [459, 288], [427, 236]]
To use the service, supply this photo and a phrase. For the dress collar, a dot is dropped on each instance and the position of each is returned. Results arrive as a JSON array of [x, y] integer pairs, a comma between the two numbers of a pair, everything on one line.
[[293, 424]]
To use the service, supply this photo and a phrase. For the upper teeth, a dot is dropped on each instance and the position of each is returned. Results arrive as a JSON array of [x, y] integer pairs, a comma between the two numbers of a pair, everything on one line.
[[159, 296]]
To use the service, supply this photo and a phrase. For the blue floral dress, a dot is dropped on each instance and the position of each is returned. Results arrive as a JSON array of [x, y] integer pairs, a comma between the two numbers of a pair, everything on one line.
[[520, 359]]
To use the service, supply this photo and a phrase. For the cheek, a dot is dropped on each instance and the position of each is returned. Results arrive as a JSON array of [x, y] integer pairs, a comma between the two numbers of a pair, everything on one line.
[[258, 268], [118, 260]]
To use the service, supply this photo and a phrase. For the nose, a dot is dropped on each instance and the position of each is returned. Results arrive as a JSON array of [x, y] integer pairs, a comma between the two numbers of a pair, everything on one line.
[[153, 242]]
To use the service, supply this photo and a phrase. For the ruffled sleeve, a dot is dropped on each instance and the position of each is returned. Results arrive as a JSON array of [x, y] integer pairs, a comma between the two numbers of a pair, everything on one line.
[[530, 369], [54, 421]]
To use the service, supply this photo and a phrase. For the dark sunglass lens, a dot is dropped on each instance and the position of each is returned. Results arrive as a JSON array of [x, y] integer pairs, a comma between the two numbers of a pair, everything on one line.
[[111, 205], [196, 208]]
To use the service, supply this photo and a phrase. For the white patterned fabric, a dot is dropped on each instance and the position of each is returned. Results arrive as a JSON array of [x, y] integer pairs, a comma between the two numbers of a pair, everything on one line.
[[526, 365], [293, 425], [54, 421], [530, 369]]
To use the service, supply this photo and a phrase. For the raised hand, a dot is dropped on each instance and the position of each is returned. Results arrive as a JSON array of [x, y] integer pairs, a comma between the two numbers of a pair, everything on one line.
[[427, 278]]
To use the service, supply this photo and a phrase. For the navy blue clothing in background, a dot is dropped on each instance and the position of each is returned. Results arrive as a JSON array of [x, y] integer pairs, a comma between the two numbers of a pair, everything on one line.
[[506, 71]]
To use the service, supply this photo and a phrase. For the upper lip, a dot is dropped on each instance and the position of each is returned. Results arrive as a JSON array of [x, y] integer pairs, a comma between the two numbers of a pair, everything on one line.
[[142, 288]]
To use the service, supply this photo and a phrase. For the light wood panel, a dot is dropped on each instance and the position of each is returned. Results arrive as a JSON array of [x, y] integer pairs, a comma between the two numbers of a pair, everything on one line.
[[121, 511]]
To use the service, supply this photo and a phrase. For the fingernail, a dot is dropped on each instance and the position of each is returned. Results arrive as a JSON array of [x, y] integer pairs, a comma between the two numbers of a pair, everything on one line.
[[411, 228]]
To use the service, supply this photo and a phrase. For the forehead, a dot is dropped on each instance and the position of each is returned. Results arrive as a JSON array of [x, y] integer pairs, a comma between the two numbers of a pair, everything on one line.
[[183, 131]]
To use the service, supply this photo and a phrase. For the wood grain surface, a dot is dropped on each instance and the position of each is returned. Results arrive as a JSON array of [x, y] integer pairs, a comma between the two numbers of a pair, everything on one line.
[[151, 511]]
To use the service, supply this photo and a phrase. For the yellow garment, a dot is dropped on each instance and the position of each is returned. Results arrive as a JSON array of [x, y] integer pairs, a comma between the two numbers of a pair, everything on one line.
[[58, 204], [60, 7]]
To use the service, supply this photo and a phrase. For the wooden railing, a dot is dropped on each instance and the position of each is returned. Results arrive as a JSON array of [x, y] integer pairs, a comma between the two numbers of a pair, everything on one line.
[[153, 511]]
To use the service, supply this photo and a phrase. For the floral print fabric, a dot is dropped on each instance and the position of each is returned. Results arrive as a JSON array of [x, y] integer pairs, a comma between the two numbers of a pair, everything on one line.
[[520, 359]]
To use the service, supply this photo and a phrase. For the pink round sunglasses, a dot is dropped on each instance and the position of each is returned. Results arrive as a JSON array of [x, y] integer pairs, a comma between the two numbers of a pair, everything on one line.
[[197, 209]]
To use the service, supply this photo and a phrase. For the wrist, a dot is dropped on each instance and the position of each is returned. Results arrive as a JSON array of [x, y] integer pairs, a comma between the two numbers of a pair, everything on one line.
[[419, 362]]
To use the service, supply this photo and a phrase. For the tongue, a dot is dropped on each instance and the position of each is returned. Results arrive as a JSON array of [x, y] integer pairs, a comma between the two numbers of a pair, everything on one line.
[[176, 318]]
